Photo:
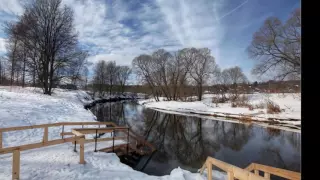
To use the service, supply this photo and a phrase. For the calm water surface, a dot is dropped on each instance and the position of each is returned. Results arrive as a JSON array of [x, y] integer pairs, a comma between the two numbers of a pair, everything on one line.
[[184, 141]]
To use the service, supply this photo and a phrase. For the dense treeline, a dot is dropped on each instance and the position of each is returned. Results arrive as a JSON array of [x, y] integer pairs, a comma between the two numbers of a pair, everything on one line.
[[168, 74]]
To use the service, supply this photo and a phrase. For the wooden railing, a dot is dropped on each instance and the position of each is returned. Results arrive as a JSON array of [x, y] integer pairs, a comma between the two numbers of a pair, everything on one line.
[[268, 170], [45, 141], [234, 172], [78, 136]]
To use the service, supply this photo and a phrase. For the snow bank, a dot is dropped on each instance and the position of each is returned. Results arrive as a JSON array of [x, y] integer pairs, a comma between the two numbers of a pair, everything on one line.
[[60, 162], [28, 106], [289, 103]]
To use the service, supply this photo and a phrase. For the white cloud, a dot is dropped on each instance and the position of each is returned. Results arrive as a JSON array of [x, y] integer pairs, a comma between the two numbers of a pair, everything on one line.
[[2, 45], [120, 30], [11, 6]]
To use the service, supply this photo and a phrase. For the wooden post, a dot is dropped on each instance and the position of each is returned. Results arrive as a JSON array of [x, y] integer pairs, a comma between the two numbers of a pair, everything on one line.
[[209, 170], [45, 134], [267, 176], [230, 175], [81, 142], [0, 139], [256, 172], [15, 164]]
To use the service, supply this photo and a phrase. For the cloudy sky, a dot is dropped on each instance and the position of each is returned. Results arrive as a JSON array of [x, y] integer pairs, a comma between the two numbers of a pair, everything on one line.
[[122, 29]]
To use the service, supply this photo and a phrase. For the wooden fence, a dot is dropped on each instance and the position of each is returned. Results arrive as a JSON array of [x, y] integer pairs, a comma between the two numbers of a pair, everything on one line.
[[234, 172], [78, 136]]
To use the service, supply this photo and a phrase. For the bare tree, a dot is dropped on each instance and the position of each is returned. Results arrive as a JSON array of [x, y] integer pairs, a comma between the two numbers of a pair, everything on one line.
[[12, 49], [277, 47], [160, 64], [142, 67], [2, 70], [180, 68], [169, 74], [86, 74], [47, 32], [204, 67], [111, 73], [123, 74], [99, 80], [233, 76], [75, 68]]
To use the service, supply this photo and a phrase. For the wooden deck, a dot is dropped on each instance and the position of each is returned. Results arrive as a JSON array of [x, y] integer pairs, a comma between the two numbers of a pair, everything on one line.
[[78, 136]]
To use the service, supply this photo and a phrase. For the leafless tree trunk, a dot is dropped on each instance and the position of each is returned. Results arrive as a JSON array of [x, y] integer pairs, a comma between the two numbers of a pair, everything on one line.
[[111, 72], [123, 75], [204, 67]]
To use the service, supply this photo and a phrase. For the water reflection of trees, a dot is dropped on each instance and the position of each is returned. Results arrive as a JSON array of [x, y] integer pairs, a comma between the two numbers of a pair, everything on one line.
[[274, 155], [110, 112], [236, 136], [189, 140]]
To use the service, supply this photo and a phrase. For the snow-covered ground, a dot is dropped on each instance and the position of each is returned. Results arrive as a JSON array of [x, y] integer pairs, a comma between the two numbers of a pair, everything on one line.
[[28, 106], [290, 104]]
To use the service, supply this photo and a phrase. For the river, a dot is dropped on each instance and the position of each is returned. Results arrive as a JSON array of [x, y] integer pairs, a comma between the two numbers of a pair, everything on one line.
[[184, 141]]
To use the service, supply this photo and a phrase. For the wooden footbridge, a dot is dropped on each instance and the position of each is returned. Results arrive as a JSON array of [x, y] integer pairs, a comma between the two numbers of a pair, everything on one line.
[[129, 151]]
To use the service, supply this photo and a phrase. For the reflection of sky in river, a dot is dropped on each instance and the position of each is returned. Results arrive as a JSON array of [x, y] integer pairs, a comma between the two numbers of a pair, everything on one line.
[[186, 141]]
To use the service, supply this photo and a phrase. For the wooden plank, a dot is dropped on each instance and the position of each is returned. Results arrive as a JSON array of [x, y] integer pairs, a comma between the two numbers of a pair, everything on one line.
[[37, 145], [28, 127], [98, 130], [250, 167], [209, 170], [237, 172], [66, 133], [45, 134], [203, 168], [278, 172], [86, 123], [81, 142], [220, 164], [16, 128], [106, 139], [103, 139], [230, 176], [266, 175], [256, 171], [16, 164], [77, 133]]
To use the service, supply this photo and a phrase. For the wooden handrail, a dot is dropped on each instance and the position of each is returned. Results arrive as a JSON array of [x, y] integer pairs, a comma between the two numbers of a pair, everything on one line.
[[79, 136], [16, 128], [37, 145], [233, 171], [268, 170], [99, 130], [111, 129]]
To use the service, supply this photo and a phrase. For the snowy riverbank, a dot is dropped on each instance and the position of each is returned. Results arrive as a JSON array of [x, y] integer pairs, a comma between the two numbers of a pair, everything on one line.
[[290, 105], [28, 106]]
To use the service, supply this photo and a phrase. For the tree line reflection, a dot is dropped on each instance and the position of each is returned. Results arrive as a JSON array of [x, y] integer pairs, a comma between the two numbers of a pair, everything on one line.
[[189, 140]]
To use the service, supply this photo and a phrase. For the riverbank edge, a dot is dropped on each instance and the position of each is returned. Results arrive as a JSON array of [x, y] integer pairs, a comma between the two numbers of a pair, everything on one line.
[[280, 123]]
